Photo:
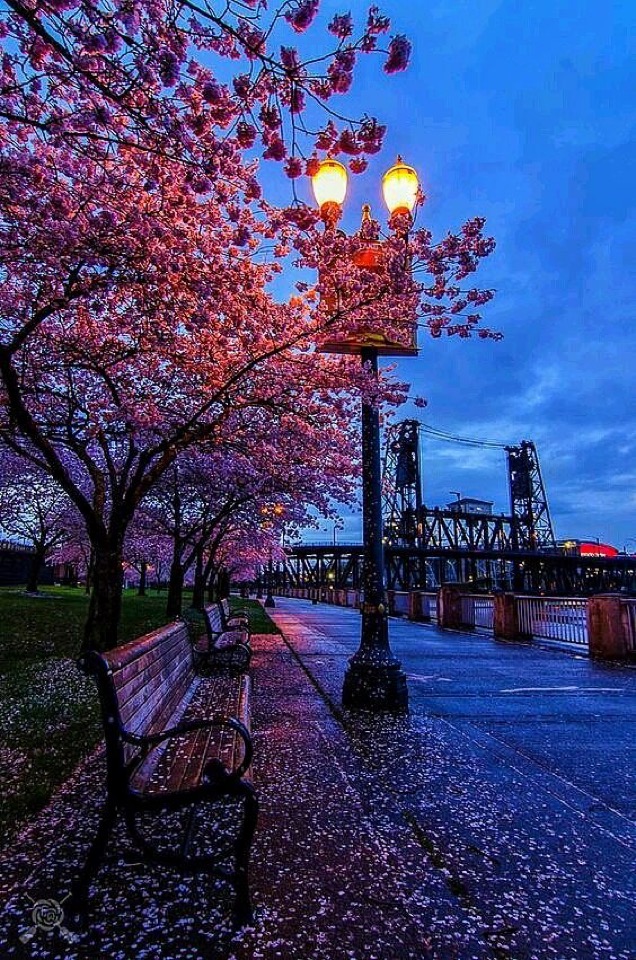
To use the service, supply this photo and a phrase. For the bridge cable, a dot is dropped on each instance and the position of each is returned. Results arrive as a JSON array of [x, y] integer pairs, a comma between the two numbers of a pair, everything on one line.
[[436, 434]]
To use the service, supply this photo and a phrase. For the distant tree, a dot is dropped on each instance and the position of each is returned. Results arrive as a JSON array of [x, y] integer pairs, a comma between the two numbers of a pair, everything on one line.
[[33, 510], [75, 552], [208, 493]]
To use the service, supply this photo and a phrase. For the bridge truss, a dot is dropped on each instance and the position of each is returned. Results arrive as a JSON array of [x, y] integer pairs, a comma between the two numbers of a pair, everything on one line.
[[427, 547], [411, 568], [409, 523]]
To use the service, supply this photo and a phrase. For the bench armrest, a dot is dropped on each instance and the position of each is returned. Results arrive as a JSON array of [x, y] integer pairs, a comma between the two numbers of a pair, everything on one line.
[[147, 743], [218, 646]]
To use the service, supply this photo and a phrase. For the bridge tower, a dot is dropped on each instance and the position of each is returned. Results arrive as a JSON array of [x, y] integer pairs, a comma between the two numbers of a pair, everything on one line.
[[402, 484], [528, 501]]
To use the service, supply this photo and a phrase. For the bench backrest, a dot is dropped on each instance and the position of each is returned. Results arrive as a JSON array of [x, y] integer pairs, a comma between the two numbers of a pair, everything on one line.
[[213, 622], [141, 684]]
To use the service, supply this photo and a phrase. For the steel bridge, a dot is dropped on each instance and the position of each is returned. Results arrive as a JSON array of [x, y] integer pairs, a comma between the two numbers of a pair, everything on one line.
[[480, 570], [482, 551]]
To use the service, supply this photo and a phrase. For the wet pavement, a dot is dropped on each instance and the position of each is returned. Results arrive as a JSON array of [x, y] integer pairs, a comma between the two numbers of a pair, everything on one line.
[[504, 803], [495, 820]]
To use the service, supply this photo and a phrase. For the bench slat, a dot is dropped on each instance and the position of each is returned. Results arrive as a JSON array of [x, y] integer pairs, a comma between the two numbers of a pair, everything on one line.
[[147, 711], [179, 763], [147, 699], [141, 671]]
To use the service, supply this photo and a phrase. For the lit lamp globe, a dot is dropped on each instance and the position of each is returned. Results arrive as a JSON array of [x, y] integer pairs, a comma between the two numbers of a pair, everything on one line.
[[400, 187], [329, 184]]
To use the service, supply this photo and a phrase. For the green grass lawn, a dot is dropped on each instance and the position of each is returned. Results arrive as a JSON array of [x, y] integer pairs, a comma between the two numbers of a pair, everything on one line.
[[49, 715]]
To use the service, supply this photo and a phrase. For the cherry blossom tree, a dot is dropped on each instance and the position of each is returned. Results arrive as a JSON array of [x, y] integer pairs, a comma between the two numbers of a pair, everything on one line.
[[146, 74], [75, 553], [209, 493], [146, 553], [137, 249], [133, 327]]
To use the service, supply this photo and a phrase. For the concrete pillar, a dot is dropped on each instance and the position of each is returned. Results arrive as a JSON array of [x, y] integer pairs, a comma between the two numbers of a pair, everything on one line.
[[415, 605], [449, 607], [422, 606], [608, 637], [505, 621]]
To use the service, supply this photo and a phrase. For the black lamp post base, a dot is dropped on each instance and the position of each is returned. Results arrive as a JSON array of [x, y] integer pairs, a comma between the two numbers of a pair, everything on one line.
[[380, 687], [269, 601]]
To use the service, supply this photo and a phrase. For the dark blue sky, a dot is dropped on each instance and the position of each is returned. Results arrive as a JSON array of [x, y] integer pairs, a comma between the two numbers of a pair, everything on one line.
[[524, 111]]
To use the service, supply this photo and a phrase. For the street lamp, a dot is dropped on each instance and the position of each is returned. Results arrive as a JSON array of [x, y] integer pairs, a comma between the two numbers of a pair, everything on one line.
[[269, 602], [338, 524], [271, 514], [374, 678]]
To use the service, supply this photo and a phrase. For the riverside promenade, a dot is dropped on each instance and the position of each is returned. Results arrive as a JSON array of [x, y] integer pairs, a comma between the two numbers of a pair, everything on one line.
[[496, 820]]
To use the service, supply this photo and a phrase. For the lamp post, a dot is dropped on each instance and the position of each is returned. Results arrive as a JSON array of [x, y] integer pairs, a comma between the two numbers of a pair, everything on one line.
[[374, 678], [270, 603], [270, 514], [338, 524]]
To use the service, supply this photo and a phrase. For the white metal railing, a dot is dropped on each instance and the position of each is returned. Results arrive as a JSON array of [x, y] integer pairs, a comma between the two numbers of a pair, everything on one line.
[[477, 611], [560, 619], [429, 606], [554, 618], [629, 614], [401, 606]]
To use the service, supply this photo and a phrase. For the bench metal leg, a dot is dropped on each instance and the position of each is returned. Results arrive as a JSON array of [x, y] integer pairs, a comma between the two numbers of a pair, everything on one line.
[[76, 907], [243, 913]]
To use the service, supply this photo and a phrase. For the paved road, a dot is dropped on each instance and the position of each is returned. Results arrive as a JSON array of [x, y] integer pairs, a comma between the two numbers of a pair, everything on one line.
[[557, 712], [515, 772]]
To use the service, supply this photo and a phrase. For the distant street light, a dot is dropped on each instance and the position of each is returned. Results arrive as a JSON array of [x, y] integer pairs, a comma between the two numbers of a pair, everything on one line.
[[271, 514], [338, 524]]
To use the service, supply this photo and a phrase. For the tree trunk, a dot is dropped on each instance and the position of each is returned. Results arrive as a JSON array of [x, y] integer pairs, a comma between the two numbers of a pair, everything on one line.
[[175, 590], [90, 569], [101, 628], [37, 563], [210, 577], [223, 584], [141, 592], [198, 592], [175, 583]]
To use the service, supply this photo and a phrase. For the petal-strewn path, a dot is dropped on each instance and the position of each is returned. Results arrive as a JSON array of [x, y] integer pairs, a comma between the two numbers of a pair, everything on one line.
[[496, 820]]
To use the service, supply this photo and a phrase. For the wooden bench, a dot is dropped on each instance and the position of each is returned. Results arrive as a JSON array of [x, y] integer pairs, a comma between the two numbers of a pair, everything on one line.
[[173, 741], [222, 649]]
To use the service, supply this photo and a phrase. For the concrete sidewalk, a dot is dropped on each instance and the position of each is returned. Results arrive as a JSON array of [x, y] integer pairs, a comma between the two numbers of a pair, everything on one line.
[[493, 821]]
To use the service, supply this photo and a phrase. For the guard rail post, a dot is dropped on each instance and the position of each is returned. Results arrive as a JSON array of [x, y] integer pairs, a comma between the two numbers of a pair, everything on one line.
[[608, 637], [449, 607], [505, 619]]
